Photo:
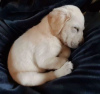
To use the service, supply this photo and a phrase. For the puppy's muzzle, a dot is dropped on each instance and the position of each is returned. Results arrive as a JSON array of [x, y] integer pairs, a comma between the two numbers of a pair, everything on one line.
[[81, 42], [74, 45]]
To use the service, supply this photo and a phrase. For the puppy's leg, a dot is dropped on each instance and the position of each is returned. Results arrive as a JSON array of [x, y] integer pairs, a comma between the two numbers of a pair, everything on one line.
[[57, 62], [65, 52], [52, 63], [35, 79]]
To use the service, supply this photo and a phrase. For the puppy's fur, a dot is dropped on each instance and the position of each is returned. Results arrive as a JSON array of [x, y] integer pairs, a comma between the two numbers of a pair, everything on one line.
[[46, 46]]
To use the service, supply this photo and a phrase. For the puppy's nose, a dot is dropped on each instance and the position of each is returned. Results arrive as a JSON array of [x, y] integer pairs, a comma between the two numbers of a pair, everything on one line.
[[81, 42]]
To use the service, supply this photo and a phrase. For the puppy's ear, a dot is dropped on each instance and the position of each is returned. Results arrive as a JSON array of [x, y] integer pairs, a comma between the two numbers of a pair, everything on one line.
[[57, 19]]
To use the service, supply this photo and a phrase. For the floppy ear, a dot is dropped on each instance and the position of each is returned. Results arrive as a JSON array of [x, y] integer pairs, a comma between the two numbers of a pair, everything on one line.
[[57, 19]]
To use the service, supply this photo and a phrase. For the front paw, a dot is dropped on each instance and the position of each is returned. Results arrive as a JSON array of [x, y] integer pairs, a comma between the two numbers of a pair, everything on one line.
[[64, 70]]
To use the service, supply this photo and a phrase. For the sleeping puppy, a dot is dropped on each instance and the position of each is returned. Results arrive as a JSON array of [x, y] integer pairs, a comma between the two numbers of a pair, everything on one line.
[[46, 46]]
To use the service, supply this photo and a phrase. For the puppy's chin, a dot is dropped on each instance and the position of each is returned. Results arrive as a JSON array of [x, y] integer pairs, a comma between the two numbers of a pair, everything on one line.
[[71, 46]]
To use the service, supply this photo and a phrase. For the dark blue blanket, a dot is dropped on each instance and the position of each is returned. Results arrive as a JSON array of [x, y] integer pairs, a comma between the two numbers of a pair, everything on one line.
[[16, 17]]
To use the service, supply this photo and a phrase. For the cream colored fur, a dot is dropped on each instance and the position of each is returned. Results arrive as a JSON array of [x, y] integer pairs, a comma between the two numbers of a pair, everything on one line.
[[46, 47]]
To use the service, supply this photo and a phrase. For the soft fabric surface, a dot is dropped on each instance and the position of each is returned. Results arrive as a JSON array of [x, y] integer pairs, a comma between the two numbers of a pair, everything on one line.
[[17, 17]]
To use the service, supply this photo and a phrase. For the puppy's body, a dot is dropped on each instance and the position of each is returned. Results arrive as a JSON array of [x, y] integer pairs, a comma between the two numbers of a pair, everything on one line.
[[35, 46], [37, 50]]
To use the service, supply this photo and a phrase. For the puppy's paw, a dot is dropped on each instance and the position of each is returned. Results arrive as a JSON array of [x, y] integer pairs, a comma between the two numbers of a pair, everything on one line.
[[64, 70]]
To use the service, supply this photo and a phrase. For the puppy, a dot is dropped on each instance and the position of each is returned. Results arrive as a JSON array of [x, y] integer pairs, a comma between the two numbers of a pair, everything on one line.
[[46, 46]]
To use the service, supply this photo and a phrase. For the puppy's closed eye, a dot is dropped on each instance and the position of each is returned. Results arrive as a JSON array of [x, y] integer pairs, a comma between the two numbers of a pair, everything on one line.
[[75, 30]]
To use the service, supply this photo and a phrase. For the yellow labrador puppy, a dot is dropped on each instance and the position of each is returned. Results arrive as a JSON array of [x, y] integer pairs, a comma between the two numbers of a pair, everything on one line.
[[47, 46]]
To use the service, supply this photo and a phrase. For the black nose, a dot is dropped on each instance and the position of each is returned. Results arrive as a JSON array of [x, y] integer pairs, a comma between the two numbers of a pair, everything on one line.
[[80, 44]]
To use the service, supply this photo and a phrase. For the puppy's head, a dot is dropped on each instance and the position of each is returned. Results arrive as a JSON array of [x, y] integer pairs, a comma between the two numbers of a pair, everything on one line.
[[67, 23]]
